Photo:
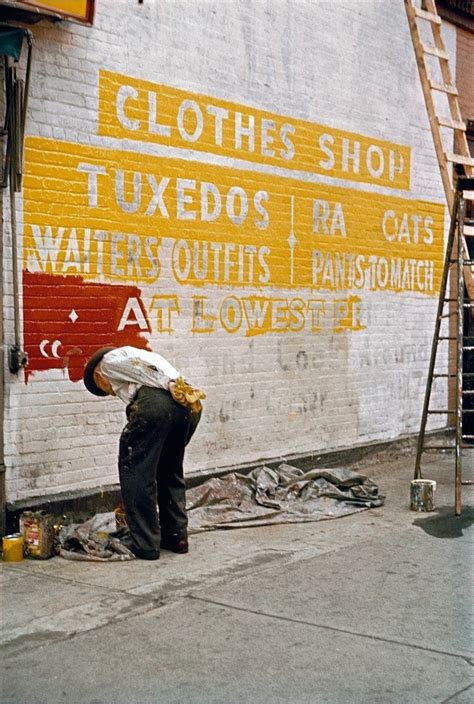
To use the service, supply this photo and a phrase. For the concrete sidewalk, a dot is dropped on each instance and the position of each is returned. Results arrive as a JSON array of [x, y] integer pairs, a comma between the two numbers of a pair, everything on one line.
[[373, 608]]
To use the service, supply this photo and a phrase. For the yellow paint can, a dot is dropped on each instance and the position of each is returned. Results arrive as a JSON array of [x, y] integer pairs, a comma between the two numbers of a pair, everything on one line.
[[13, 546]]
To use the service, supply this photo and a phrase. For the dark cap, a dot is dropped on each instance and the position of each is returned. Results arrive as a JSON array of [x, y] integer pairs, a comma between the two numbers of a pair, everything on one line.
[[88, 376]]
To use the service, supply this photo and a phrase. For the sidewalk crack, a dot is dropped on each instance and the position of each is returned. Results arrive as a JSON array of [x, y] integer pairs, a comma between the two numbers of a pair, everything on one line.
[[335, 629], [456, 694]]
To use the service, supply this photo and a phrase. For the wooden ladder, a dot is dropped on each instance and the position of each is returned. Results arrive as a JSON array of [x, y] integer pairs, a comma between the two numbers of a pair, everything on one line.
[[452, 121], [461, 405]]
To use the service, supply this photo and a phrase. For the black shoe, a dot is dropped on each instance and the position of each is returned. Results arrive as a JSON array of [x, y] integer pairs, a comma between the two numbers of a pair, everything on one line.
[[178, 545], [142, 554]]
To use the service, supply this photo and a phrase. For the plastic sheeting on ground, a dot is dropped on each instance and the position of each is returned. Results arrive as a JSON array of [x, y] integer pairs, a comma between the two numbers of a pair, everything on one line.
[[265, 496], [283, 495]]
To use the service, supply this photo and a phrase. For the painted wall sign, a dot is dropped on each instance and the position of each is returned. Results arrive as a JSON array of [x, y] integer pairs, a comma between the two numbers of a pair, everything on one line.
[[130, 108], [126, 245], [66, 319]]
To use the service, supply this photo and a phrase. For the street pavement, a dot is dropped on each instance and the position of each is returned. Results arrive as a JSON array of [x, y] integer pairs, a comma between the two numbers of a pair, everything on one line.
[[372, 608]]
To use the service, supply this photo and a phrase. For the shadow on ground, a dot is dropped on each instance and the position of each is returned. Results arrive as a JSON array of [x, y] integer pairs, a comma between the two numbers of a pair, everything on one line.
[[445, 524]]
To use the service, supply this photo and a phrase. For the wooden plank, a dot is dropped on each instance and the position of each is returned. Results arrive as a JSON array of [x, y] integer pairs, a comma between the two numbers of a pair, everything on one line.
[[453, 124], [459, 159], [429, 16], [444, 88], [435, 51]]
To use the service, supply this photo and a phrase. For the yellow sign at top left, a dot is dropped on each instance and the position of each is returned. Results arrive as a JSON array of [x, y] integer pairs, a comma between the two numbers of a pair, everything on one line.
[[81, 10]]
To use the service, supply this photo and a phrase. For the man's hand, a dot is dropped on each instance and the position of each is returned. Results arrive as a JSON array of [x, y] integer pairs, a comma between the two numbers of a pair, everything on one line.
[[186, 395]]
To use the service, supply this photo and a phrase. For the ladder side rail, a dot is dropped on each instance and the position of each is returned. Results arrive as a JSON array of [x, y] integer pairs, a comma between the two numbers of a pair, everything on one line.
[[429, 102], [445, 172], [462, 147], [459, 363], [434, 344]]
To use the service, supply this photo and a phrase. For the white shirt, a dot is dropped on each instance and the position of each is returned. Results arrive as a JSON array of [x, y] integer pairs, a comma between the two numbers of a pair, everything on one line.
[[129, 368]]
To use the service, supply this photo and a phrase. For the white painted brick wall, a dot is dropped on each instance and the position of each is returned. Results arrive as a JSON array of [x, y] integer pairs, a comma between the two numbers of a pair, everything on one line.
[[349, 65]]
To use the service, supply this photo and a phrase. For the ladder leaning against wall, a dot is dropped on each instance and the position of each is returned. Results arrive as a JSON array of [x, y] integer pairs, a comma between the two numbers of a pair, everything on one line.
[[436, 79]]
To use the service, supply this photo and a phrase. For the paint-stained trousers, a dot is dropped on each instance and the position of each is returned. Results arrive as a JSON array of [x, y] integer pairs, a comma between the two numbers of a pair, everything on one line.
[[151, 457]]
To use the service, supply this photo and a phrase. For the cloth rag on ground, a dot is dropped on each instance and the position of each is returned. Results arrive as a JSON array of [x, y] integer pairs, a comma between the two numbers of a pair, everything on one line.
[[266, 496]]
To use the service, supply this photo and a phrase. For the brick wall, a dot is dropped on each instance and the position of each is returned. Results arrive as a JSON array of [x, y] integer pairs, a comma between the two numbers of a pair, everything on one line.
[[464, 72], [249, 187]]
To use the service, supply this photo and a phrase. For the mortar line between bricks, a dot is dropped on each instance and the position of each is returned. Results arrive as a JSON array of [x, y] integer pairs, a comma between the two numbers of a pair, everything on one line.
[[335, 629], [456, 694]]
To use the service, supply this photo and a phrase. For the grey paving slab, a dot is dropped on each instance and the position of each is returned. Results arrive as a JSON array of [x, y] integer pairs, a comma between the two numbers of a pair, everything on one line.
[[36, 609], [409, 586], [197, 653], [212, 556]]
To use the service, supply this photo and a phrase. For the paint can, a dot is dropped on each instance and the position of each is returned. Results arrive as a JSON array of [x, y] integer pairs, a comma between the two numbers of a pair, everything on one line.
[[36, 528], [13, 547], [422, 495]]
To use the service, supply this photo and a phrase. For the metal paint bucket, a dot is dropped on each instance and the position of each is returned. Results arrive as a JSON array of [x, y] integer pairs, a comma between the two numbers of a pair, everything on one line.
[[422, 495], [13, 546], [37, 530]]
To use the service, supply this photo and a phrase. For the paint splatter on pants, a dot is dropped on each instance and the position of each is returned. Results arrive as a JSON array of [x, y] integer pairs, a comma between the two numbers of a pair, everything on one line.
[[151, 456]]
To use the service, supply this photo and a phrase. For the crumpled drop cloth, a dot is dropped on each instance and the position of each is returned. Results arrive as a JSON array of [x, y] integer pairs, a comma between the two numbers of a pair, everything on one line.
[[283, 495], [93, 540], [265, 496]]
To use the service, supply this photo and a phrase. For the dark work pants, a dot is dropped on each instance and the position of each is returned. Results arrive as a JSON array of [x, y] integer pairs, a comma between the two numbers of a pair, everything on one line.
[[151, 456]]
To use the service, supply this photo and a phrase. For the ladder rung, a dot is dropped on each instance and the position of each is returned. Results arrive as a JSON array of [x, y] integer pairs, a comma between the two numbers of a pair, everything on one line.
[[434, 51], [449, 412], [469, 231], [459, 159], [454, 300], [468, 437], [453, 124], [468, 349], [439, 447], [468, 393], [467, 482], [444, 88], [447, 337], [429, 16], [445, 376]]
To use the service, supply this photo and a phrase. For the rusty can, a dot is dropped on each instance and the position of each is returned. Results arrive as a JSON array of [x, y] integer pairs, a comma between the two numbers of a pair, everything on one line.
[[36, 528], [120, 518], [13, 547]]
